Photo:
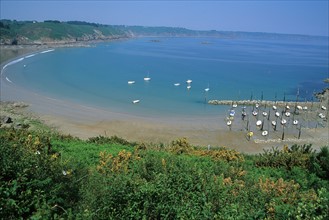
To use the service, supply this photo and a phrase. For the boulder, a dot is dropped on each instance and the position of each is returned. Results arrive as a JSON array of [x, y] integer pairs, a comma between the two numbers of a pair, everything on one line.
[[7, 120]]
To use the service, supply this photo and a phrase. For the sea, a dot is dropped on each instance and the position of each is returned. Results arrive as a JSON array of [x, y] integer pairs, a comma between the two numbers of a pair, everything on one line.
[[231, 69]]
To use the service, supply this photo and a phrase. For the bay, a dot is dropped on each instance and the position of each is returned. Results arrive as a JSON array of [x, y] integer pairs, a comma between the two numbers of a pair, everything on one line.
[[231, 68]]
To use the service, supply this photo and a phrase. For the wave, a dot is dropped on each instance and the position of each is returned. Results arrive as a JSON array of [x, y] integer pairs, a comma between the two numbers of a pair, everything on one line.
[[32, 55], [47, 51], [11, 63], [8, 80]]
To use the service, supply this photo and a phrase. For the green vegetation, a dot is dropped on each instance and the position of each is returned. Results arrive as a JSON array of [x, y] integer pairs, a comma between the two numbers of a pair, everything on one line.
[[32, 32], [27, 32], [45, 175]]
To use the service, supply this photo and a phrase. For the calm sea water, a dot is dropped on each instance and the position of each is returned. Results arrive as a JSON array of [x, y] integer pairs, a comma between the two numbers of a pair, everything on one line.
[[232, 69]]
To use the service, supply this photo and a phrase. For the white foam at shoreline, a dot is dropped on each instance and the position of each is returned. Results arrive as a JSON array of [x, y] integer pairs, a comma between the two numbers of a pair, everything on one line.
[[11, 63], [21, 59], [8, 80], [47, 51], [32, 55]]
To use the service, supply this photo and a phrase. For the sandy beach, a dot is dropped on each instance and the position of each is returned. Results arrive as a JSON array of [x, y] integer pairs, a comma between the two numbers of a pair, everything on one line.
[[87, 121]]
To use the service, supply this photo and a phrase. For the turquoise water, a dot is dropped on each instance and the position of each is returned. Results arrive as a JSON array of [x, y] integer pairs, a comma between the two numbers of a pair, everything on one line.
[[232, 68]]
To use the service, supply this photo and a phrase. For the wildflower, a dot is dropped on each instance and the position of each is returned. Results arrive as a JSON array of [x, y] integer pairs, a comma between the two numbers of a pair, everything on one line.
[[54, 156], [37, 152], [163, 161]]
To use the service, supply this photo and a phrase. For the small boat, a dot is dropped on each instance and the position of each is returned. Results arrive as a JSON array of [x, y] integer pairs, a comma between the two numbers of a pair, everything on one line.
[[232, 113], [273, 123], [254, 113], [189, 81], [277, 114], [177, 84], [287, 114], [244, 113], [259, 123], [264, 114], [131, 82], [136, 101], [274, 107], [283, 121], [287, 107], [206, 89], [257, 105], [147, 78], [295, 122], [322, 116], [265, 133], [229, 123], [305, 108], [235, 105], [323, 107], [299, 107], [189, 87]]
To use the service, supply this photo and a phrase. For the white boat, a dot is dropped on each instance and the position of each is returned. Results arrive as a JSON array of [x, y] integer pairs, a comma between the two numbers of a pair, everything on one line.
[[287, 107], [259, 123], [235, 105], [131, 82], [229, 123], [274, 107], [147, 78], [254, 113], [283, 121], [189, 87], [189, 81], [277, 114], [305, 108], [295, 122], [265, 133], [323, 107], [177, 84], [207, 89], [136, 101], [322, 116], [264, 114], [299, 107], [273, 123], [232, 113], [287, 114]]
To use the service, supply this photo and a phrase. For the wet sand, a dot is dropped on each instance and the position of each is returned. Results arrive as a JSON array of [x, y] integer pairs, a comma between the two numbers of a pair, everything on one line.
[[85, 121]]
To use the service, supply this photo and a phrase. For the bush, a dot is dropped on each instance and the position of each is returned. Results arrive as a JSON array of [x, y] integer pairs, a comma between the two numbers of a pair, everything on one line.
[[109, 140], [287, 157], [33, 182], [319, 163]]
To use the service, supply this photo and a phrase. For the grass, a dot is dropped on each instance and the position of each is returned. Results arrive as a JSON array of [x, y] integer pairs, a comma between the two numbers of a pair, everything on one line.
[[85, 153]]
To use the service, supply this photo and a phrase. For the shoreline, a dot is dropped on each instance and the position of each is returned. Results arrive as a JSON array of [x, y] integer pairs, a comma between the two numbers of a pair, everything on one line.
[[86, 121]]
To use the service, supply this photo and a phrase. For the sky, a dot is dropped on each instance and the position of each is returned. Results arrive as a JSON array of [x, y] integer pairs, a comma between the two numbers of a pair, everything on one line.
[[309, 17]]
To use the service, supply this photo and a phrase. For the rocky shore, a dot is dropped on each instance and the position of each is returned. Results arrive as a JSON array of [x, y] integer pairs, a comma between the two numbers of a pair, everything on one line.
[[13, 115]]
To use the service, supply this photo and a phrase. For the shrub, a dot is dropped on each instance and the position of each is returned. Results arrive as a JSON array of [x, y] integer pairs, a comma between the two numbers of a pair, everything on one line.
[[109, 140], [319, 163], [287, 157]]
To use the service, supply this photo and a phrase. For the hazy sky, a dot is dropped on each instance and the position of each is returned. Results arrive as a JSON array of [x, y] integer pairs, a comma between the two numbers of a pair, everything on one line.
[[282, 16]]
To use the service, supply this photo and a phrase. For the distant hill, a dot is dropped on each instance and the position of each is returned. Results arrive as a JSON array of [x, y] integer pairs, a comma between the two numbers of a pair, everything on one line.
[[53, 31]]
